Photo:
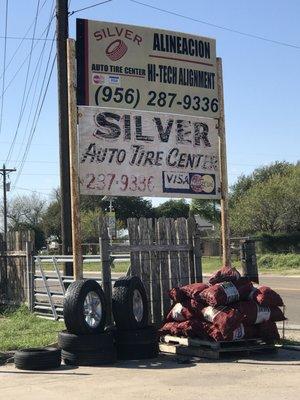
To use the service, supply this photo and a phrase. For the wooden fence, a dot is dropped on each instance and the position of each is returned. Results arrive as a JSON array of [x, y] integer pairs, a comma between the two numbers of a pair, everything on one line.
[[164, 253], [13, 274]]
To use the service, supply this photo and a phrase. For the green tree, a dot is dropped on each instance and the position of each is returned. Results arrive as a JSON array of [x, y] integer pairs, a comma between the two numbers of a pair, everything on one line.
[[130, 207], [208, 209], [173, 209], [90, 226], [270, 205], [259, 175], [26, 212]]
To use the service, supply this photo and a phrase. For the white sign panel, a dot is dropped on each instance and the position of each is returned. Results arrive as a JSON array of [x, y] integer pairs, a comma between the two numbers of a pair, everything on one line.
[[133, 67], [139, 153]]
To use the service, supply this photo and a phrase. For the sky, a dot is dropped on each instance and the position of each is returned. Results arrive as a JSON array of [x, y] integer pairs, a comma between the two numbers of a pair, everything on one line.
[[261, 79]]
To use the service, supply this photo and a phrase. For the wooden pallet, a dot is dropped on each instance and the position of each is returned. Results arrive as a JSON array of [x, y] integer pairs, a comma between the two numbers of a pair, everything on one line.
[[213, 350]]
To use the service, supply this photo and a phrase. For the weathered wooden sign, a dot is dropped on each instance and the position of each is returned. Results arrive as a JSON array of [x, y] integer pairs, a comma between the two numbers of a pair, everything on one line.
[[138, 153], [133, 67]]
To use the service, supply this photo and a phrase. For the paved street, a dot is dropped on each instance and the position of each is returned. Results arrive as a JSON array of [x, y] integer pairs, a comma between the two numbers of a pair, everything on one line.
[[276, 376]]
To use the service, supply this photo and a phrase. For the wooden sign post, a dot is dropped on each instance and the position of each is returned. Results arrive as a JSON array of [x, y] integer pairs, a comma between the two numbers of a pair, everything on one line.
[[225, 232], [75, 199]]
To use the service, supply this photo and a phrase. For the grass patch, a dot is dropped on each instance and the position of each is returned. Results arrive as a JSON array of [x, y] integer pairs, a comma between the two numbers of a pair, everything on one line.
[[21, 329], [279, 262]]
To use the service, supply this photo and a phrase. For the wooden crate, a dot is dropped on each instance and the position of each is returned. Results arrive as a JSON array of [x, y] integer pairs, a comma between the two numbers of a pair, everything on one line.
[[213, 350]]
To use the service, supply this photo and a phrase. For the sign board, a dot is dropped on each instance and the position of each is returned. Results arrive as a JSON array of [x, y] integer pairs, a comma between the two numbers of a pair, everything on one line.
[[140, 153], [133, 67]]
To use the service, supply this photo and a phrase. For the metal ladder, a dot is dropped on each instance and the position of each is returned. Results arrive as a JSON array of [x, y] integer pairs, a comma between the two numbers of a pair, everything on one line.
[[49, 308]]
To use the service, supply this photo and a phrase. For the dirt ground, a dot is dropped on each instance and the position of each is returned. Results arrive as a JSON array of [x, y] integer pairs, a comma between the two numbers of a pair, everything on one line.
[[169, 377]]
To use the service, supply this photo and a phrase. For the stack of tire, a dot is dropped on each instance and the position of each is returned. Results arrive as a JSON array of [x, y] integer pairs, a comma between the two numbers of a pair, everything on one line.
[[135, 338], [85, 342]]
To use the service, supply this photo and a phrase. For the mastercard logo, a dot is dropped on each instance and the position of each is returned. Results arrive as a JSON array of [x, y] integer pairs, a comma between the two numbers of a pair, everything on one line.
[[116, 50]]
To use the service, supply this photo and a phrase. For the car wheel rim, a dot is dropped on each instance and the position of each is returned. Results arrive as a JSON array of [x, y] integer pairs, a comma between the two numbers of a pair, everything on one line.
[[138, 306], [92, 309]]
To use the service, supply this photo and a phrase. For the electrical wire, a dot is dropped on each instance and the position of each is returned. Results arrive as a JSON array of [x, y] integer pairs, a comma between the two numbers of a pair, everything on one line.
[[21, 42], [4, 66], [38, 67], [218, 26], [88, 7], [34, 125], [24, 100]]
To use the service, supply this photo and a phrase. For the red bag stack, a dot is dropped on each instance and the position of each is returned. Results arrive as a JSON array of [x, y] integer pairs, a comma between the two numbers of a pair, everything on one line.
[[228, 308]]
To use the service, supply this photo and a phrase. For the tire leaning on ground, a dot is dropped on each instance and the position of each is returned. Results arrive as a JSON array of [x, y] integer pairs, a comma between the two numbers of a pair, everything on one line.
[[137, 344], [71, 342], [38, 358], [84, 308], [129, 303]]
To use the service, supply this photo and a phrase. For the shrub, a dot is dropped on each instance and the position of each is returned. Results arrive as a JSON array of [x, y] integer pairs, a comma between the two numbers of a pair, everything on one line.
[[279, 261]]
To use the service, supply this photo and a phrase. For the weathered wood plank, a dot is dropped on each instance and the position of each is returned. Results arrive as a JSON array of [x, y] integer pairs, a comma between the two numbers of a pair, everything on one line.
[[191, 227], [115, 248], [198, 256], [133, 231], [174, 260], [183, 256], [145, 256], [164, 266], [155, 284]]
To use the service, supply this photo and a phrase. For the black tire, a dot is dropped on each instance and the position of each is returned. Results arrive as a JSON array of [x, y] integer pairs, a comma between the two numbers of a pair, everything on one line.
[[74, 307], [90, 358], [145, 335], [73, 343], [122, 303], [137, 344], [38, 359]]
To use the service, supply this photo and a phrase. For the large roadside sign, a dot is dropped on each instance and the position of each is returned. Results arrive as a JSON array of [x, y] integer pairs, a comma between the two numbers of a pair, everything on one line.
[[138, 68], [140, 153]]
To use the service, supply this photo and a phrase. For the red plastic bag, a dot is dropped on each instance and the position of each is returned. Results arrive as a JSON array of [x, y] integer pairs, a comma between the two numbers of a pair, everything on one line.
[[191, 291], [190, 328], [254, 313], [225, 274], [225, 293], [241, 332], [266, 296], [194, 328], [184, 311], [225, 319], [268, 331], [179, 313], [169, 328]]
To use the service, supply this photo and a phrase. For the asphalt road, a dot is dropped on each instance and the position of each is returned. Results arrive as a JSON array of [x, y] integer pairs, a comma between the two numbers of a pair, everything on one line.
[[289, 289]]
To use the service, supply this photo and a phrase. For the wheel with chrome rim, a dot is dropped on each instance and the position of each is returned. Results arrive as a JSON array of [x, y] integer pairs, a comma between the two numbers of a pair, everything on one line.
[[85, 307], [138, 305], [129, 303]]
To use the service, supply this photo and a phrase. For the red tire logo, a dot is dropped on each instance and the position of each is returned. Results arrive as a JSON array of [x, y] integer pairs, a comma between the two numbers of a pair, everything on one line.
[[116, 50]]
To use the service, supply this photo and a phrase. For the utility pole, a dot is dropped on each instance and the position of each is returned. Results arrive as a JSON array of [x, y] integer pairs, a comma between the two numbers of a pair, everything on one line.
[[3, 172], [62, 33]]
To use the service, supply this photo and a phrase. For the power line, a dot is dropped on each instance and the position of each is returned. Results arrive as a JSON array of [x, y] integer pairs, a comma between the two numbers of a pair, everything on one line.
[[218, 26], [4, 63], [86, 8], [25, 59], [38, 67], [21, 42], [25, 38], [24, 101], [35, 124]]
